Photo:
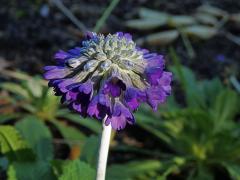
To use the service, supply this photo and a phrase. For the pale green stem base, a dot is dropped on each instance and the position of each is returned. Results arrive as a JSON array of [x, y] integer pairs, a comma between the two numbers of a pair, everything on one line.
[[103, 151]]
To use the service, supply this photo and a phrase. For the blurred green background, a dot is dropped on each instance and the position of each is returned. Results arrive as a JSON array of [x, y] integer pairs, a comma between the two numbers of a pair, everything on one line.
[[194, 135]]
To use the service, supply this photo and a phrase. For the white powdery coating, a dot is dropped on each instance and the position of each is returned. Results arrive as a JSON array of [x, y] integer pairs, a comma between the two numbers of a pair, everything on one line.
[[112, 56]]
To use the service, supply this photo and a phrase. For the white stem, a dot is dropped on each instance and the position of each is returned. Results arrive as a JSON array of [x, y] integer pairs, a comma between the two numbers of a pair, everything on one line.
[[103, 151]]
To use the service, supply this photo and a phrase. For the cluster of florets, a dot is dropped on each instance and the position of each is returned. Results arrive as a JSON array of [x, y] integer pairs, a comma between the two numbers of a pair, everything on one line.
[[108, 77]]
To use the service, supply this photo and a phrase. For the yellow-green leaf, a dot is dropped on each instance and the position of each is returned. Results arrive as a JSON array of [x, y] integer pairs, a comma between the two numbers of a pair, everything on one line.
[[200, 31], [206, 18], [181, 20], [145, 24], [162, 38], [12, 145], [207, 9], [152, 14]]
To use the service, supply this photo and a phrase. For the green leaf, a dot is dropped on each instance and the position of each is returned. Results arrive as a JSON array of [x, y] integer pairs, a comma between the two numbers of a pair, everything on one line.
[[200, 31], [170, 105], [203, 173], [13, 146], [132, 170], [161, 38], [144, 24], [194, 95], [146, 118], [57, 166], [49, 105], [177, 67], [171, 168], [30, 108], [152, 124], [91, 124], [146, 13], [19, 75], [211, 89], [34, 86], [211, 10], [30, 171], [16, 89], [70, 133], [77, 170], [181, 20], [38, 136], [156, 131], [89, 152], [206, 19], [7, 117], [150, 19], [226, 105], [233, 170]]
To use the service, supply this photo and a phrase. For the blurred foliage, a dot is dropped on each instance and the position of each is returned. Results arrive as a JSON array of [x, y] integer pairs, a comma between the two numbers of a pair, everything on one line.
[[200, 132], [27, 145], [203, 24], [29, 98], [206, 22], [30, 156]]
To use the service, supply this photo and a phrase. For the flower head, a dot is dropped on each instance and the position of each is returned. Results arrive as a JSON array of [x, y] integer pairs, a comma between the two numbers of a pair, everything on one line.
[[109, 76]]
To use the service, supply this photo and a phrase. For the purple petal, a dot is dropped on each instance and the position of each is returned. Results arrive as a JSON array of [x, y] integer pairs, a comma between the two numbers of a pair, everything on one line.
[[57, 73], [133, 97], [104, 100], [155, 65], [155, 96], [99, 107], [75, 52], [144, 51], [125, 35], [55, 82], [117, 122], [155, 61], [61, 55], [77, 107], [128, 36], [92, 107], [47, 68], [71, 96], [153, 75], [74, 87], [113, 89], [90, 35], [165, 81], [119, 34], [63, 86], [86, 87], [120, 117], [150, 55]]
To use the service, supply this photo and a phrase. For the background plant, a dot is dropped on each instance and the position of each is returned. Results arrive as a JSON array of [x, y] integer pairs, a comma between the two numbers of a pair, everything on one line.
[[206, 22], [29, 97], [201, 134]]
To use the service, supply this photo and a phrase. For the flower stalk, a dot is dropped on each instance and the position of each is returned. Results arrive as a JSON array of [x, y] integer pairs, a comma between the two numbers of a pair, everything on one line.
[[103, 150]]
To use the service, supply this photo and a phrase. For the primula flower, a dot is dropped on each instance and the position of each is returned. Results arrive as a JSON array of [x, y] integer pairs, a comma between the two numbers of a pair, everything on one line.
[[109, 76]]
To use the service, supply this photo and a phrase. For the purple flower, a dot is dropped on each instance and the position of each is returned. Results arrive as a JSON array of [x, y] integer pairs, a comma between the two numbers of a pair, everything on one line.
[[120, 116], [99, 107], [133, 97], [220, 58], [109, 76]]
